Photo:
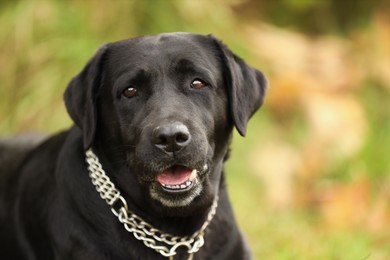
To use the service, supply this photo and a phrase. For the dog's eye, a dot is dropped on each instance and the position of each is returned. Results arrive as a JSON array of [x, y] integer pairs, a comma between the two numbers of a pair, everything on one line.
[[198, 84], [129, 92]]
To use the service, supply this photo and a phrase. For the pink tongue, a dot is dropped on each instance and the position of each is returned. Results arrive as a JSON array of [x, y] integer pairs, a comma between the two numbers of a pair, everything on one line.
[[174, 175]]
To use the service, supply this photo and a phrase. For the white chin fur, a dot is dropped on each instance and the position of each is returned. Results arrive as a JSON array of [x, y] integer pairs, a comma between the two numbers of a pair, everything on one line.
[[173, 203]]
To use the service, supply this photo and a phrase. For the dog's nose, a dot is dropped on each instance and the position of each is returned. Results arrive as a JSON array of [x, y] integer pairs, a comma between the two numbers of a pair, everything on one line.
[[172, 137]]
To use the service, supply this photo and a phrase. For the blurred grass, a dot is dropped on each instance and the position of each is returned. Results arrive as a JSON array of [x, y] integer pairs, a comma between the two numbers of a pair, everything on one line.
[[314, 199]]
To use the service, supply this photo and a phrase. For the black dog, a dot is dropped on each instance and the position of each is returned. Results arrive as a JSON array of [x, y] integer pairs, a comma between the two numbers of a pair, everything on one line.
[[157, 112]]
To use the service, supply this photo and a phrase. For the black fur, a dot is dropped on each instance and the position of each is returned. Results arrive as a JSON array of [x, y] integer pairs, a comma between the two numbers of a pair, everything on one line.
[[49, 207]]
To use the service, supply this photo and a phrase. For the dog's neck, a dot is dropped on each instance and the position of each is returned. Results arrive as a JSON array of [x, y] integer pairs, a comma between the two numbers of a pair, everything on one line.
[[164, 243]]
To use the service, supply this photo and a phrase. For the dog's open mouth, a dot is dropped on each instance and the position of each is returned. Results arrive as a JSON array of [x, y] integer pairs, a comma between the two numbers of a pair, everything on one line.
[[177, 179]]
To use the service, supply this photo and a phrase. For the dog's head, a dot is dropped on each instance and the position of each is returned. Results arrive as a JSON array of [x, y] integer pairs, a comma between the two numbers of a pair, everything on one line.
[[159, 110]]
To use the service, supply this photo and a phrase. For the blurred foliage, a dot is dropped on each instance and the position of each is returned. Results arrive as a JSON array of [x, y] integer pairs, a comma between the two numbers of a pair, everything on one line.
[[312, 178], [311, 16]]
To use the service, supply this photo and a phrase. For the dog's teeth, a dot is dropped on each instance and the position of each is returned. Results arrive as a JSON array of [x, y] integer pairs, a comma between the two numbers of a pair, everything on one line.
[[184, 185]]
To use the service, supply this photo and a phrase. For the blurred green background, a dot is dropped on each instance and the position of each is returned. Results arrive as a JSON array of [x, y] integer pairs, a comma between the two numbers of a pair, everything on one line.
[[312, 178]]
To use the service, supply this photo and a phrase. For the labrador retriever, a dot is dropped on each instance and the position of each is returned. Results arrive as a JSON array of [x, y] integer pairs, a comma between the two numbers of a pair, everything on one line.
[[140, 174]]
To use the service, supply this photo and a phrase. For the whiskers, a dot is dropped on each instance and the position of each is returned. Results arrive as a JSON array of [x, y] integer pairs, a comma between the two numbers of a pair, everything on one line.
[[125, 146]]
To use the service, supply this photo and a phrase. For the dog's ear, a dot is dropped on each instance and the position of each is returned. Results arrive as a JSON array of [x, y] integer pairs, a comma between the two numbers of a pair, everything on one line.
[[81, 95], [246, 87]]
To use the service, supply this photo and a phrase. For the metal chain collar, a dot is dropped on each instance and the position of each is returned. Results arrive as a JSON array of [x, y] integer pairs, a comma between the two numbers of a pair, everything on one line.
[[164, 243]]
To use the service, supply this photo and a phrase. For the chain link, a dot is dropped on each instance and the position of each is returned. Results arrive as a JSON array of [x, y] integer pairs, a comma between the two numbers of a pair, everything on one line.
[[164, 243]]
